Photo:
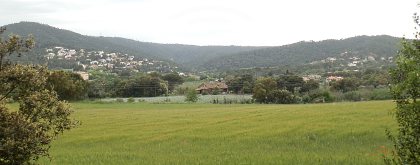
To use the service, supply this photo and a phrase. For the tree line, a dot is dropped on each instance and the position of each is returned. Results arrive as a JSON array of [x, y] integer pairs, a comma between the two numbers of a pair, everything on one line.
[[105, 84], [287, 87]]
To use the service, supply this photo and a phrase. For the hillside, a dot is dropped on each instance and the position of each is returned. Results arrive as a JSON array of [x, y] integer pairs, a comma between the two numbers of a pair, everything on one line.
[[308, 52], [208, 58], [186, 55]]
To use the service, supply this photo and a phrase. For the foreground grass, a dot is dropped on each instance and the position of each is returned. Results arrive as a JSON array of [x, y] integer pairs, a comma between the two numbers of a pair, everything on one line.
[[338, 133]]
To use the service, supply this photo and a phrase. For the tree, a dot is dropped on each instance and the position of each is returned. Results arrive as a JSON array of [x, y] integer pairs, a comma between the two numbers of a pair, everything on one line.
[[405, 80], [262, 88], [26, 134], [309, 85], [281, 96], [317, 96], [191, 96], [173, 79], [345, 85], [241, 83], [143, 86], [69, 86], [103, 84], [13, 45], [375, 78], [290, 82]]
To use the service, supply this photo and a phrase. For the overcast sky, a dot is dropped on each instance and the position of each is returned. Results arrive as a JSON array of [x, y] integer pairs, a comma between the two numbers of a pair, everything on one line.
[[219, 22]]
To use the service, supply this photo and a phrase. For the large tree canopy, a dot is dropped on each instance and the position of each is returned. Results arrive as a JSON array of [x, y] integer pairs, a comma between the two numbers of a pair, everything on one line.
[[68, 85], [26, 134], [405, 79]]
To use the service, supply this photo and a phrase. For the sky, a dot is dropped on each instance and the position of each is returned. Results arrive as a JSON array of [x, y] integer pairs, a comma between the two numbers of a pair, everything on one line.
[[219, 22]]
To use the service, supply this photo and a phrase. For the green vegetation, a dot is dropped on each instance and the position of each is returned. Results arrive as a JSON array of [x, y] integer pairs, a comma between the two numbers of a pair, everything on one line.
[[183, 88], [27, 132], [205, 58], [104, 84], [345, 85], [240, 84], [306, 52], [68, 85], [191, 96], [406, 92], [137, 86], [127, 133], [203, 99], [187, 55], [173, 80]]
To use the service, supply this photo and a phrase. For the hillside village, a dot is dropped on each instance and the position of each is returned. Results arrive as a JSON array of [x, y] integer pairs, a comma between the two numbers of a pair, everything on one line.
[[111, 61], [115, 62], [353, 61]]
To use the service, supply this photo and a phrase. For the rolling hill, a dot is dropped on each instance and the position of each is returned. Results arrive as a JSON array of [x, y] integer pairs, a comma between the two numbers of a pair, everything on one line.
[[217, 58], [186, 55], [306, 52]]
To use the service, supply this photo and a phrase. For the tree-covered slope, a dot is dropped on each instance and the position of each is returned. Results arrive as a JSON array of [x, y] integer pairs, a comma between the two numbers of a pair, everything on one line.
[[187, 55], [306, 52], [203, 58]]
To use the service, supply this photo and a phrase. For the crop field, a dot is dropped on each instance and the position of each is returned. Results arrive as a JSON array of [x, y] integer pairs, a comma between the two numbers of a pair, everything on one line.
[[144, 133], [203, 99]]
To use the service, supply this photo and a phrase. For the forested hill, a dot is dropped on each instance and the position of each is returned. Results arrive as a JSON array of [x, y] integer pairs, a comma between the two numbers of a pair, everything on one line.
[[307, 52], [210, 57], [186, 55]]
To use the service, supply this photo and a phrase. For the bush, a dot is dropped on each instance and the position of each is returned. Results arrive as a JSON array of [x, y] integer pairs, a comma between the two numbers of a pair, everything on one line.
[[204, 93], [345, 85], [247, 101], [131, 100], [167, 100], [119, 100], [381, 94], [353, 96], [281, 97], [318, 96], [69, 86], [216, 91], [191, 96]]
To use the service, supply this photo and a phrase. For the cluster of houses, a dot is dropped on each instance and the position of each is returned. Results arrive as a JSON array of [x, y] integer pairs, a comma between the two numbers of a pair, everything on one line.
[[111, 60], [106, 60], [318, 78], [347, 59]]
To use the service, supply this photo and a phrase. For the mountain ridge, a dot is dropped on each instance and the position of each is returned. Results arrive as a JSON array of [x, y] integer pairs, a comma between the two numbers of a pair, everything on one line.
[[200, 58], [46, 35], [306, 52]]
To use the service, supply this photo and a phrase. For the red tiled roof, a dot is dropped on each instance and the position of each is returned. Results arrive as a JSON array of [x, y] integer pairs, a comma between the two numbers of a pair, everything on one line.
[[212, 85]]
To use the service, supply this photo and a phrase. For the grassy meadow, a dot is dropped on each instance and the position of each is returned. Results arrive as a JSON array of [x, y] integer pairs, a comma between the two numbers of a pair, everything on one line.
[[143, 133]]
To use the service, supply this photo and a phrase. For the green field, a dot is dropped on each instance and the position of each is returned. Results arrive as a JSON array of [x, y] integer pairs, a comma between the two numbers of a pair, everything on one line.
[[141, 133]]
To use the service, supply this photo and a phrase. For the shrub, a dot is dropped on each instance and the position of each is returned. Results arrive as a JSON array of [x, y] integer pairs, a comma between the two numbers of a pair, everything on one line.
[[353, 96], [318, 96], [167, 100], [191, 96], [131, 100], [381, 94], [405, 90], [204, 93], [281, 97], [216, 91]]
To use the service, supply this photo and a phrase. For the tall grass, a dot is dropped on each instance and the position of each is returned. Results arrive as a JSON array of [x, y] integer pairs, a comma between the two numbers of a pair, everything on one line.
[[203, 99], [124, 133]]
